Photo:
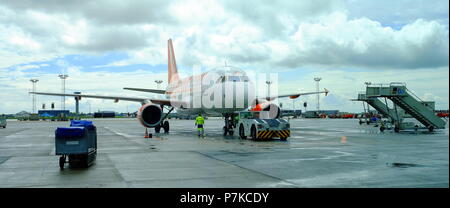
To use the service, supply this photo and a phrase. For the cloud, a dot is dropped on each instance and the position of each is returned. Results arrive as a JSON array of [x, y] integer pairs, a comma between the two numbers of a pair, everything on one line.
[[113, 39], [285, 34], [388, 13], [282, 16], [337, 41], [99, 12]]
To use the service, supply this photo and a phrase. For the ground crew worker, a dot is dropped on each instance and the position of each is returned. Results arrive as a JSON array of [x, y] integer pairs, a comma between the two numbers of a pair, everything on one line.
[[199, 121], [236, 120]]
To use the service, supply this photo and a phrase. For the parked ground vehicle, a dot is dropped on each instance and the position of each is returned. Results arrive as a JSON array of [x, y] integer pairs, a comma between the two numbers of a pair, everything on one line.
[[258, 125], [2, 123]]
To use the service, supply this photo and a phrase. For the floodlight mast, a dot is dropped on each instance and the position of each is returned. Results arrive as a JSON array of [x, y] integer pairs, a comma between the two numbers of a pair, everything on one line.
[[158, 82], [63, 98], [367, 85], [317, 79], [34, 95], [268, 87]]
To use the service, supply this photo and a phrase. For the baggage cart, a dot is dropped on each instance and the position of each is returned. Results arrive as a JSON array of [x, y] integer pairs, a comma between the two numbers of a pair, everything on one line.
[[76, 144]]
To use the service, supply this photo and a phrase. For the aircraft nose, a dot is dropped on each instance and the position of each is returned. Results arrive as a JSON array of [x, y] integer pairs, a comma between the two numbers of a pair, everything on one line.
[[239, 94], [242, 95]]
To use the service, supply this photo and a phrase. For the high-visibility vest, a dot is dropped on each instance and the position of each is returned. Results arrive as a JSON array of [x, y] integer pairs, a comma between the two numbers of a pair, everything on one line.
[[199, 120]]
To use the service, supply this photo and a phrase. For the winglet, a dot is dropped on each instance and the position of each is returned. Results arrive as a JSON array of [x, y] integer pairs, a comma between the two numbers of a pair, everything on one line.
[[326, 91]]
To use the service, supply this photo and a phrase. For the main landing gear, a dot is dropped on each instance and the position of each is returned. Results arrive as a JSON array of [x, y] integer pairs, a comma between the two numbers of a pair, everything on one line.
[[230, 124], [164, 124]]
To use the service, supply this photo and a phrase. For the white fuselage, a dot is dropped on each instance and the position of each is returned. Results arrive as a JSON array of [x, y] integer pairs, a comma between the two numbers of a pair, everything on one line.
[[213, 93]]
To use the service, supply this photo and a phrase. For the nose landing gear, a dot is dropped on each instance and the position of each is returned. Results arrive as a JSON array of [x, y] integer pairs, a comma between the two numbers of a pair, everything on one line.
[[230, 124]]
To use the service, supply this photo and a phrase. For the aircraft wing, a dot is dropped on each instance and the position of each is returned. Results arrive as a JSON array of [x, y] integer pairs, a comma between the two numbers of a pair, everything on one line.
[[296, 95], [146, 90], [166, 102], [116, 98]]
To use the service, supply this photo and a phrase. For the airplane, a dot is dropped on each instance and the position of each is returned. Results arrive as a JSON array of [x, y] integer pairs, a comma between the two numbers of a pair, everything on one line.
[[187, 96]]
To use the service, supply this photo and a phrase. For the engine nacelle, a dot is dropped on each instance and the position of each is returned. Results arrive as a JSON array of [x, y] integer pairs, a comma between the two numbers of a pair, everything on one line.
[[150, 115], [274, 110]]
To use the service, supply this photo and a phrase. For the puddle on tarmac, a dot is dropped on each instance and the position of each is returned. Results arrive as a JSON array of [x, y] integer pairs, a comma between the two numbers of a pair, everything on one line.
[[402, 165]]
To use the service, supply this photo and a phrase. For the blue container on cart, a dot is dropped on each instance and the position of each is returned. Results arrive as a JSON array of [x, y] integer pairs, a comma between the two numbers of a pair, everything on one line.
[[374, 119], [77, 142], [92, 130], [82, 123]]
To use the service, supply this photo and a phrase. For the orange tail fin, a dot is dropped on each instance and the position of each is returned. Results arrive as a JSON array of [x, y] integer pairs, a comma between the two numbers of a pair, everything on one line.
[[172, 64]]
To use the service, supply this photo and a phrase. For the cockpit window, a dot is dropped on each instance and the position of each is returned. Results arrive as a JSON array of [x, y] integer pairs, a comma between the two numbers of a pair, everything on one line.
[[223, 79], [233, 78]]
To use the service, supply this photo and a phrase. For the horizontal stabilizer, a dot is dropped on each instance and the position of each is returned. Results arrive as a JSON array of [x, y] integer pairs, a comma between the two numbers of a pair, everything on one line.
[[296, 95]]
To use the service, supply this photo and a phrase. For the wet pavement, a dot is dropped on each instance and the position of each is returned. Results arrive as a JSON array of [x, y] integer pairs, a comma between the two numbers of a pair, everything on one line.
[[320, 153]]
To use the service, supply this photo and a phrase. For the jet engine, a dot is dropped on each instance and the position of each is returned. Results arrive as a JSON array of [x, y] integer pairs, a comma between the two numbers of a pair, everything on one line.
[[274, 109], [150, 115]]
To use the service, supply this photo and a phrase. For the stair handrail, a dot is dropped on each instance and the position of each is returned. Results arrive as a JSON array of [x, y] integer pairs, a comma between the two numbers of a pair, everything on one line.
[[404, 84], [363, 94], [411, 93], [414, 95], [399, 83], [421, 101], [378, 85]]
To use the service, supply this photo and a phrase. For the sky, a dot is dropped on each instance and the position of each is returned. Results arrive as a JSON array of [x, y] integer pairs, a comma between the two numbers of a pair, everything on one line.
[[106, 45]]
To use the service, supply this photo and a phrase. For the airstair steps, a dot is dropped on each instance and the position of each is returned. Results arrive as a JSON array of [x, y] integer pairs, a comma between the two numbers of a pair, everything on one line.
[[380, 107]]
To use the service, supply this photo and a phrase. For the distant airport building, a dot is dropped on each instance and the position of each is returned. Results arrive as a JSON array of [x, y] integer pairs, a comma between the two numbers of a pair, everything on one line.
[[314, 114], [329, 112], [441, 111], [105, 114], [295, 113], [311, 114], [22, 114], [52, 113]]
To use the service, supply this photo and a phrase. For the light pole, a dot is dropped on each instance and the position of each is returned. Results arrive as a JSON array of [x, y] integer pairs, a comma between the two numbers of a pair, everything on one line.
[[63, 98], [317, 79], [34, 95], [89, 107], [77, 103], [158, 83], [367, 85], [268, 88]]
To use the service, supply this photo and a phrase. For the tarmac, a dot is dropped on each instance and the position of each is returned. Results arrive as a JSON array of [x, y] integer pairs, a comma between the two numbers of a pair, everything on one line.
[[332, 153]]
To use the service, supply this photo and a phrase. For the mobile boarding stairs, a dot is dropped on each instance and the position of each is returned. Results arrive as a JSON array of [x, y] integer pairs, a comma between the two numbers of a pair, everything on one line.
[[399, 94]]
